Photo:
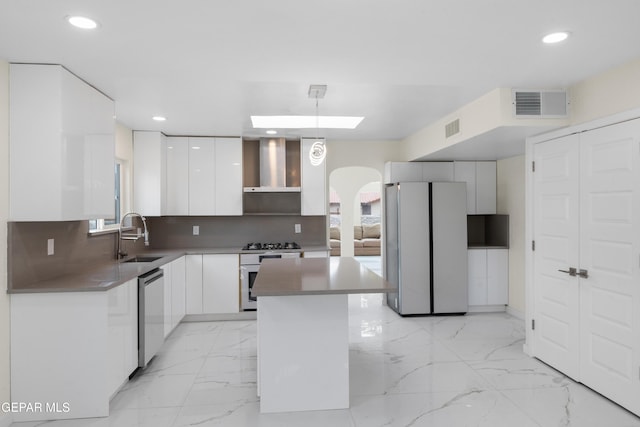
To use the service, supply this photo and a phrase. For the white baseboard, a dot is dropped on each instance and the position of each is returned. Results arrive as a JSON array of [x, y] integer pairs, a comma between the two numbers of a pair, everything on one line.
[[486, 309], [243, 315], [515, 313], [6, 419]]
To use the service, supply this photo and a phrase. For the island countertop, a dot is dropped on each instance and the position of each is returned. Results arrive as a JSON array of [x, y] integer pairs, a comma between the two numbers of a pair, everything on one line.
[[316, 276]]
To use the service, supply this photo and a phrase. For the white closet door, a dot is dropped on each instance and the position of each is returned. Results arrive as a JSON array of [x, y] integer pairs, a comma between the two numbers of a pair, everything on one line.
[[556, 231], [610, 251]]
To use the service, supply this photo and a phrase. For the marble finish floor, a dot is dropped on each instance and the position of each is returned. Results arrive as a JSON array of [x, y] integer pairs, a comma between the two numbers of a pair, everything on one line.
[[420, 371]]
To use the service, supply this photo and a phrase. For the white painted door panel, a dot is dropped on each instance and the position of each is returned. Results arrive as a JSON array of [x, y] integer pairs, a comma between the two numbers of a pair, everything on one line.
[[609, 251], [556, 231]]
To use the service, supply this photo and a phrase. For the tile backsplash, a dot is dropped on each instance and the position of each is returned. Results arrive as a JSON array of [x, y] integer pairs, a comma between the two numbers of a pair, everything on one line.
[[76, 251]]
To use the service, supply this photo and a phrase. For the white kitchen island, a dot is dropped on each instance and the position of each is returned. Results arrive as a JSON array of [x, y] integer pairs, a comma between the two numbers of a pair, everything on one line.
[[303, 338]]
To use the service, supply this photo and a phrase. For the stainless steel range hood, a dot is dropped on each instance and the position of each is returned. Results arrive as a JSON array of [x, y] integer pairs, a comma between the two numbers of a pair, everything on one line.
[[273, 167]]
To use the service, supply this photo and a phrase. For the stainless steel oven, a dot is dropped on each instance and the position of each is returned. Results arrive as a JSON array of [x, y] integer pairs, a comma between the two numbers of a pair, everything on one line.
[[249, 266]]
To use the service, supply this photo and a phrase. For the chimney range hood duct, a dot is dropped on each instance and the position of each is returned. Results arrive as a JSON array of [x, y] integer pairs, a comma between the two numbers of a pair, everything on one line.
[[273, 162], [273, 167]]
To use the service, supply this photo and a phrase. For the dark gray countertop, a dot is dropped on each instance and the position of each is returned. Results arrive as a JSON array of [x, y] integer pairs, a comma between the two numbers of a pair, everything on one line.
[[316, 276], [111, 274]]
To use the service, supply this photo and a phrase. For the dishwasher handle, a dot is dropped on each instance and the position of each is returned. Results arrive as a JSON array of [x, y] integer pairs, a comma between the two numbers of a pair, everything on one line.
[[152, 276]]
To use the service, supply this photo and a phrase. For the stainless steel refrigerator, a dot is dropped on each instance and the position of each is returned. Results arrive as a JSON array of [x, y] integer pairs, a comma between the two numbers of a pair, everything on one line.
[[426, 247]]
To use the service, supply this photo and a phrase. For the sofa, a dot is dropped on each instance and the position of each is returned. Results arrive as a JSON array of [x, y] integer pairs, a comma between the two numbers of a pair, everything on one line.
[[366, 240]]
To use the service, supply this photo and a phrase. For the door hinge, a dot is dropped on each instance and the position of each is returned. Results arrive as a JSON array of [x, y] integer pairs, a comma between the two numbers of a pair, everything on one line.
[[533, 245], [533, 166], [533, 324]]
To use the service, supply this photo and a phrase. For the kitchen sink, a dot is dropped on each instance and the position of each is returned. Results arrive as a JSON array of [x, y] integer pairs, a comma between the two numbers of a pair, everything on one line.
[[143, 259]]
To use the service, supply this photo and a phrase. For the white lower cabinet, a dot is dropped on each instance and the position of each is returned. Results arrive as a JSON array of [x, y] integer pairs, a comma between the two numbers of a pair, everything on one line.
[[221, 283], [178, 280], [72, 350], [193, 276], [167, 298], [488, 277], [174, 294], [316, 254], [122, 332], [213, 284]]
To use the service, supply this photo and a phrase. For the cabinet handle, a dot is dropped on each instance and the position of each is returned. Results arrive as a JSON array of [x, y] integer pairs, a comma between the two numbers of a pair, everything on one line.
[[583, 273], [571, 272]]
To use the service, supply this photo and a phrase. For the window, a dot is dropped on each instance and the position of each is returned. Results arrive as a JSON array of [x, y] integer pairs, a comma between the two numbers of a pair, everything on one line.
[[113, 222]]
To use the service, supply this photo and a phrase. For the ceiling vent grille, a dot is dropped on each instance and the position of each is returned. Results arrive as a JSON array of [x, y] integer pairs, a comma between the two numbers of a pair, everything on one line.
[[540, 104], [452, 128]]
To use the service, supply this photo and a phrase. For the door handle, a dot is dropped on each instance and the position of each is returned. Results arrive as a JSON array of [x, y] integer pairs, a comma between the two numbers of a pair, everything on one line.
[[571, 271], [583, 273]]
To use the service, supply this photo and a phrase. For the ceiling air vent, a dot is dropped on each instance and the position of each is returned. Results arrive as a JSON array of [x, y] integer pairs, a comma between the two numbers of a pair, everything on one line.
[[452, 128], [540, 104]]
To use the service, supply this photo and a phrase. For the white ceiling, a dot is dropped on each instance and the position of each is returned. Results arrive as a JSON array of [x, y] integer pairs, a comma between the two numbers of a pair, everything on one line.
[[207, 65]]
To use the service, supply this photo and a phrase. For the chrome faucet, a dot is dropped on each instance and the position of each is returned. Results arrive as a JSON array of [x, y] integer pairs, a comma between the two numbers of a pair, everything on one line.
[[121, 236]]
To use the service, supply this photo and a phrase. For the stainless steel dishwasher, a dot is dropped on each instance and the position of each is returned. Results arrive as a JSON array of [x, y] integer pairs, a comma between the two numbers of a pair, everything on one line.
[[150, 315]]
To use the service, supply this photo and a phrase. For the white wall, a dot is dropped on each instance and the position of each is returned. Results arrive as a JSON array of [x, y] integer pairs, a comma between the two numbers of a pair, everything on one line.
[[610, 92], [5, 395], [510, 201]]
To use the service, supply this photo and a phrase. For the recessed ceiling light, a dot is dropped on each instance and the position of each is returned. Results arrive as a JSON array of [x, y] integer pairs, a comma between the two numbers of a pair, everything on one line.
[[306, 122], [555, 37], [159, 118], [272, 132], [82, 22]]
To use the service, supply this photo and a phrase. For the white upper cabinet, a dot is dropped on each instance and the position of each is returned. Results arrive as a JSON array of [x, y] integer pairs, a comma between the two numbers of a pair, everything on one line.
[[177, 176], [228, 173], [202, 176], [62, 146], [313, 190], [481, 185], [186, 176], [485, 188], [149, 182], [437, 171], [402, 172], [418, 172]]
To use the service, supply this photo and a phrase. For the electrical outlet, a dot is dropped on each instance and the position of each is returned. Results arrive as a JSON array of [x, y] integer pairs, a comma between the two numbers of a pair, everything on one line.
[[196, 230], [50, 247], [298, 228]]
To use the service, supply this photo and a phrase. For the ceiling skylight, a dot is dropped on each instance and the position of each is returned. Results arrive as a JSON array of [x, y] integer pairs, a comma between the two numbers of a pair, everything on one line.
[[305, 122]]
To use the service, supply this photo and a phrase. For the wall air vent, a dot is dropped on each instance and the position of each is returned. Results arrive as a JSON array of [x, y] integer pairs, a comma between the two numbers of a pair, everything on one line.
[[452, 128], [540, 103]]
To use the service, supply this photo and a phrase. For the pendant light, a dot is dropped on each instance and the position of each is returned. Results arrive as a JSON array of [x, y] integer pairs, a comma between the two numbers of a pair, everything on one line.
[[318, 150]]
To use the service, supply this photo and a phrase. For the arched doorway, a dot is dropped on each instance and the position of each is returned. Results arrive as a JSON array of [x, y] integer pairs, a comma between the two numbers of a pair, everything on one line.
[[350, 187]]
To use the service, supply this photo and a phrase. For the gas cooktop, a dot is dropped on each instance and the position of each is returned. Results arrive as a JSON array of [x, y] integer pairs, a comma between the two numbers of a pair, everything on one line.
[[270, 246]]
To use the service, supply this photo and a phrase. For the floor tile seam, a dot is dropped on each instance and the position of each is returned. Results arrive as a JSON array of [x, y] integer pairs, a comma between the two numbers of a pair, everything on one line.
[[171, 424], [517, 405]]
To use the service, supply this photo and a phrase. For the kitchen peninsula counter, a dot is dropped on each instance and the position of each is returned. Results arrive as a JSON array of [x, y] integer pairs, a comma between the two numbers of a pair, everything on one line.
[[303, 330], [316, 276]]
